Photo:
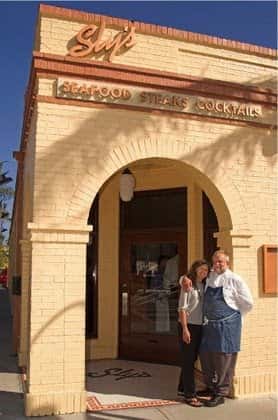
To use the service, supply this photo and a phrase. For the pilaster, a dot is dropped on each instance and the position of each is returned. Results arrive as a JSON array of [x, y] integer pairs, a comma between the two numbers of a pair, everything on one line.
[[56, 365], [25, 302]]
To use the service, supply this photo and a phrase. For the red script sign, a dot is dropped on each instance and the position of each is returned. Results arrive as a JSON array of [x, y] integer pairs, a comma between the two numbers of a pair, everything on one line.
[[90, 41]]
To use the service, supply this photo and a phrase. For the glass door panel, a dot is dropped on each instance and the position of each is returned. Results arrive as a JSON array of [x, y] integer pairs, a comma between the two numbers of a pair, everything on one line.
[[151, 265], [153, 294]]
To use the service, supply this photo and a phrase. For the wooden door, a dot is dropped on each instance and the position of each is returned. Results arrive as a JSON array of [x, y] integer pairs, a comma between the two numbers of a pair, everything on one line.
[[153, 255], [150, 267]]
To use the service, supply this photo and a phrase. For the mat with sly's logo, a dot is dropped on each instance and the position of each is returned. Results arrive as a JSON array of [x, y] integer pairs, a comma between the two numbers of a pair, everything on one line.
[[118, 384]]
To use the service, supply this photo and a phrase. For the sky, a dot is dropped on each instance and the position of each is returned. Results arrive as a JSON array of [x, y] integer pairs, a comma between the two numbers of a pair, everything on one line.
[[254, 22]]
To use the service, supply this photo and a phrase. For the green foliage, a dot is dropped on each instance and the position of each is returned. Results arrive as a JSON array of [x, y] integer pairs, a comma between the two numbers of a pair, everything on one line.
[[4, 256], [6, 193]]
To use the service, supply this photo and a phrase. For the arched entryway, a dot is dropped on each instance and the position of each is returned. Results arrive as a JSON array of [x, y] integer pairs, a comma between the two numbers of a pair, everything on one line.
[[63, 246], [175, 210]]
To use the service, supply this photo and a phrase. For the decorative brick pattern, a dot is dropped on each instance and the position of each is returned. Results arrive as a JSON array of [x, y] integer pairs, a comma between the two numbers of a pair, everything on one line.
[[94, 405]]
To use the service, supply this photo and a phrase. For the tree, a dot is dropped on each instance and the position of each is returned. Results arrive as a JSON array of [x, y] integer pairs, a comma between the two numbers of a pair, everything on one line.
[[6, 193], [4, 256]]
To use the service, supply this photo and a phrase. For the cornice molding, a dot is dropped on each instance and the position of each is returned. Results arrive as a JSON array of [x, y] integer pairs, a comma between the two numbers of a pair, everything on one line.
[[156, 30]]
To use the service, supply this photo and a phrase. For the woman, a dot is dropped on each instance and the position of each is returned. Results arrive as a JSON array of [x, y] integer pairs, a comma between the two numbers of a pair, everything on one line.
[[190, 310]]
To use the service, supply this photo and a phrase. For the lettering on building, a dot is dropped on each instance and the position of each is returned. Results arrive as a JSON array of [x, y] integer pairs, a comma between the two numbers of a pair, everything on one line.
[[135, 96], [174, 101], [228, 108], [91, 40], [90, 90]]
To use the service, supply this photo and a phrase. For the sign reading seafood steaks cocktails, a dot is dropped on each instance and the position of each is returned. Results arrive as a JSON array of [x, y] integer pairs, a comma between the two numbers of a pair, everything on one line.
[[102, 92]]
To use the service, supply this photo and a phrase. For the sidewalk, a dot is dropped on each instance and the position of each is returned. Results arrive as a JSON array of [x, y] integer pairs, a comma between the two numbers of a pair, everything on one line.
[[12, 406]]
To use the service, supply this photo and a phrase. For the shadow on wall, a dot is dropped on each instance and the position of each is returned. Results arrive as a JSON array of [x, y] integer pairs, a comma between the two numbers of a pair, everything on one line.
[[241, 142], [62, 312], [269, 84], [113, 128], [90, 147], [92, 152]]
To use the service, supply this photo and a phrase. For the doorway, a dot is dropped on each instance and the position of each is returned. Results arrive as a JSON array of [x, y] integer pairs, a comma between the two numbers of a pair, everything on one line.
[[153, 256]]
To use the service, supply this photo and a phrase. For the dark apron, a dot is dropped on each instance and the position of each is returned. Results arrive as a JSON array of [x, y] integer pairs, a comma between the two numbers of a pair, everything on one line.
[[222, 324]]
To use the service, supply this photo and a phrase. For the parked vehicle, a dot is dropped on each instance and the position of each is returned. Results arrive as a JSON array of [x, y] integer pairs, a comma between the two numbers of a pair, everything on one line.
[[4, 277]]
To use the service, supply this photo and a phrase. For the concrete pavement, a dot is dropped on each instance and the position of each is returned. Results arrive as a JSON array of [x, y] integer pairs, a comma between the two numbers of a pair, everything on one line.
[[12, 407]]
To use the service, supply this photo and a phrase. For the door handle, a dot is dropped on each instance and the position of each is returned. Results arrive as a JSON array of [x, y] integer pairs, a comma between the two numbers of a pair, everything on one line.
[[124, 303]]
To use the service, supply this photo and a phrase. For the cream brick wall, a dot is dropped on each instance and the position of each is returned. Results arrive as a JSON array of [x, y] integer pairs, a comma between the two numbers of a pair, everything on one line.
[[56, 359], [101, 141], [24, 245], [167, 54], [81, 148]]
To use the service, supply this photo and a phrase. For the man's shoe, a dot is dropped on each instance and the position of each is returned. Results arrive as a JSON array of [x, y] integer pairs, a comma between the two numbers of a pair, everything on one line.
[[216, 400]]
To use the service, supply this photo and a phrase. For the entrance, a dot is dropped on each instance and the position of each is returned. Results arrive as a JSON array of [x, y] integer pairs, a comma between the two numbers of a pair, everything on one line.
[[153, 256]]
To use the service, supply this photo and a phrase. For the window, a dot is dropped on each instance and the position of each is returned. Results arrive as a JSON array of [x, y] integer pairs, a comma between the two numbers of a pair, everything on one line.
[[155, 210]]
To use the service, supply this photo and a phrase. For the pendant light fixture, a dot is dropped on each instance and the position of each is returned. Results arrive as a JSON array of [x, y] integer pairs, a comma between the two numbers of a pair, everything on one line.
[[127, 185]]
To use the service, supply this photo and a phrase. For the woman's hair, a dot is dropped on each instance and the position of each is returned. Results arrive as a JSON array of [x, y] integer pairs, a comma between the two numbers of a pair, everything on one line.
[[192, 273]]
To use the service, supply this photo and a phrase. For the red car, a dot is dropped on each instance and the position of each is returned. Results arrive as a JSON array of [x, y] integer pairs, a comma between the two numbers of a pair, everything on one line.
[[4, 277]]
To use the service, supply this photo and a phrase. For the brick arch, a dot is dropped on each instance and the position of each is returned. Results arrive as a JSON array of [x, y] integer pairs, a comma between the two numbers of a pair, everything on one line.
[[221, 190]]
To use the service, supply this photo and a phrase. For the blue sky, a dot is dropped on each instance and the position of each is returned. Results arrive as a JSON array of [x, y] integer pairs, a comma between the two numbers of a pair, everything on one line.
[[248, 21]]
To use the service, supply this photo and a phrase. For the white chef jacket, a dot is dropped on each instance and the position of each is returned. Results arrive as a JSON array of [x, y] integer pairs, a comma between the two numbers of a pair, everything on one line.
[[235, 291]]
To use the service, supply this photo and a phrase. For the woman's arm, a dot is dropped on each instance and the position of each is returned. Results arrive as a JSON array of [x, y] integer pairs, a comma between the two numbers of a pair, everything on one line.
[[185, 331]]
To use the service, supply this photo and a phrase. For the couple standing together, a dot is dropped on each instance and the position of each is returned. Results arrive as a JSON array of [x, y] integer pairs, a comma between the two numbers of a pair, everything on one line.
[[211, 306]]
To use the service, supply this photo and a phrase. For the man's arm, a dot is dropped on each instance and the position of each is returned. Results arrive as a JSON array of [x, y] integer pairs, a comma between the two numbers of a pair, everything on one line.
[[185, 283], [244, 298]]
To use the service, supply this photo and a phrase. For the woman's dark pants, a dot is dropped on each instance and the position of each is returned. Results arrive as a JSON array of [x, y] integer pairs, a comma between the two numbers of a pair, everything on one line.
[[189, 354]]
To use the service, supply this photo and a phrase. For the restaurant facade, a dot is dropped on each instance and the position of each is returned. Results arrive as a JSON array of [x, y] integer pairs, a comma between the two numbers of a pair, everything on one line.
[[142, 146]]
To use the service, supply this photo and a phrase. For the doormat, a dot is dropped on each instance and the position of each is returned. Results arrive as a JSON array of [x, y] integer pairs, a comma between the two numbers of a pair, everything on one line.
[[118, 384]]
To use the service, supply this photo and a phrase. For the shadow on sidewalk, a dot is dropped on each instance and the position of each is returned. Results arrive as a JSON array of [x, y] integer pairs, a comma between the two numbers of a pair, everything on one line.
[[8, 360], [11, 405]]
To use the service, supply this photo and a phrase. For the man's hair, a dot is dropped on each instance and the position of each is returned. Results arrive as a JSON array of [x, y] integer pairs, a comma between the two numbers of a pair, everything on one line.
[[220, 252]]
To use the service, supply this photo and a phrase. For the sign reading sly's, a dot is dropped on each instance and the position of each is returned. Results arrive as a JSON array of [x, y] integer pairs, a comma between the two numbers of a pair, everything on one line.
[[91, 40]]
